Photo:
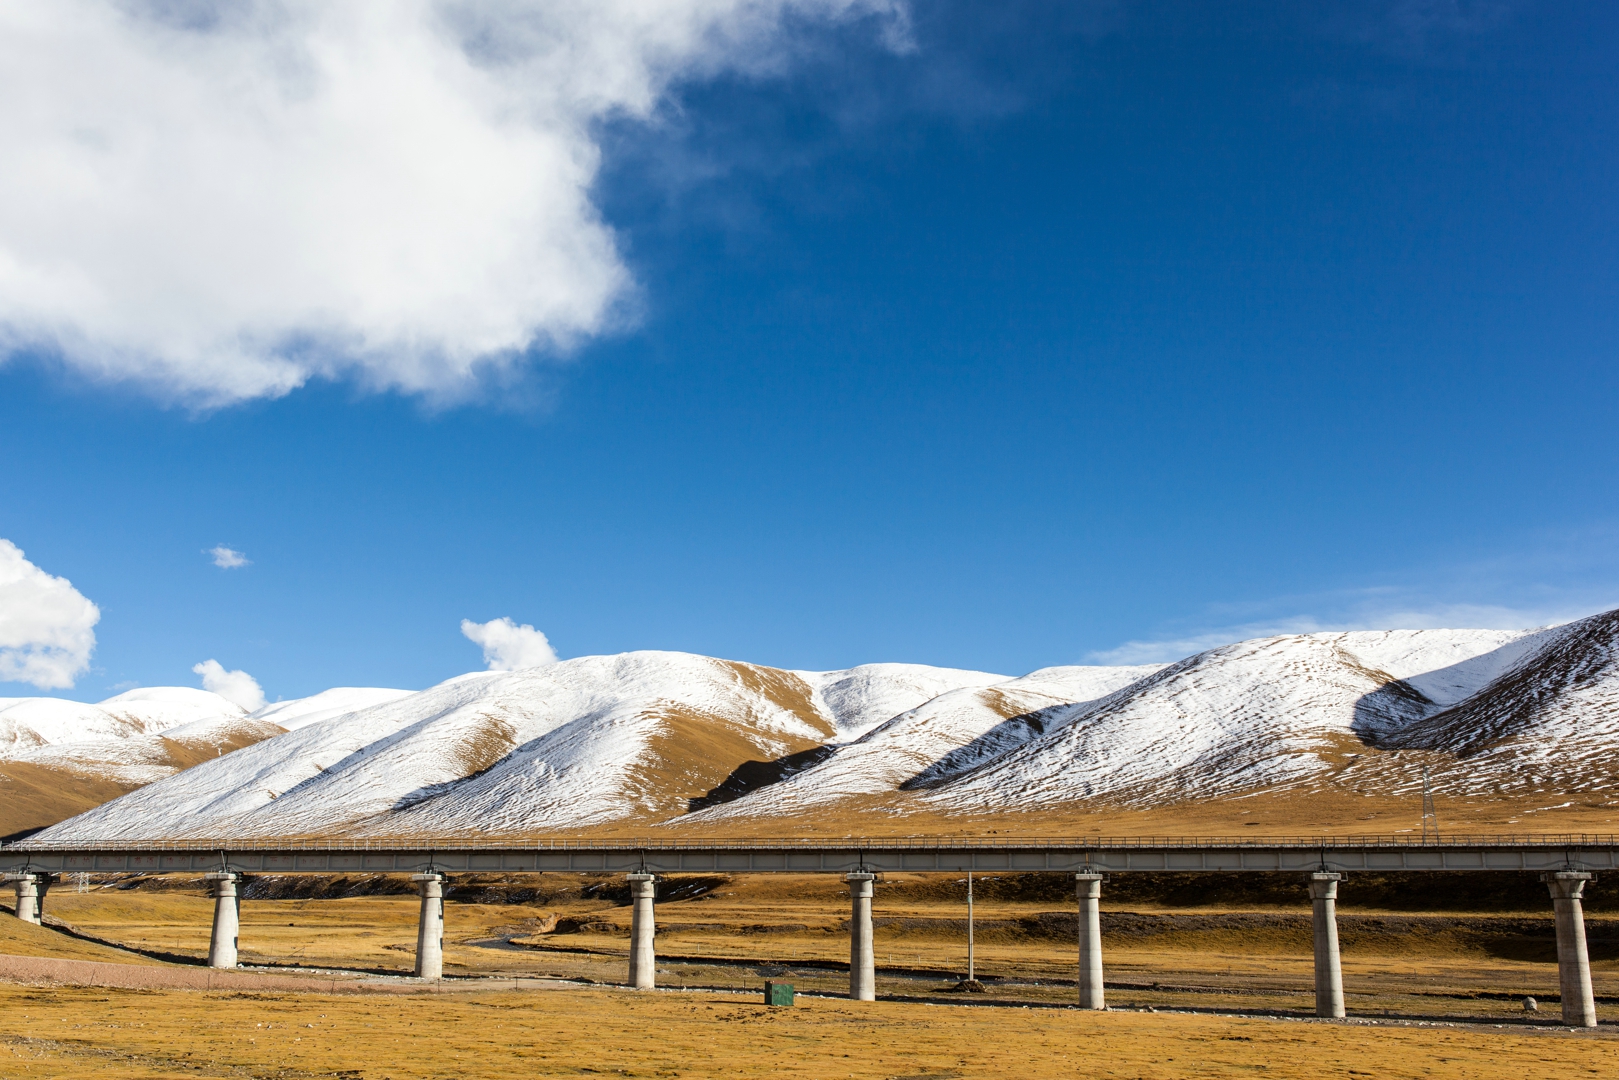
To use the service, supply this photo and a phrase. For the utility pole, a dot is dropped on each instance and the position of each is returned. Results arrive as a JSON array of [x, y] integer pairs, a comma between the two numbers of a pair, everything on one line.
[[970, 926], [1430, 819]]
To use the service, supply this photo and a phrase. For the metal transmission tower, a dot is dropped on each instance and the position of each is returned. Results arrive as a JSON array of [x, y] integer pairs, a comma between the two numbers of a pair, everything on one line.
[[1430, 820]]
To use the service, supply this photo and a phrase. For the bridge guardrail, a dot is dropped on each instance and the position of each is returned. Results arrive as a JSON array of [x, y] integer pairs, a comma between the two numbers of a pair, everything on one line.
[[845, 843]]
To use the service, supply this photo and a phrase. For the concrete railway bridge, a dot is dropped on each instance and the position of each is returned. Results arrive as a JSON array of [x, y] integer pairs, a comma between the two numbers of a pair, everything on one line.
[[1565, 864]]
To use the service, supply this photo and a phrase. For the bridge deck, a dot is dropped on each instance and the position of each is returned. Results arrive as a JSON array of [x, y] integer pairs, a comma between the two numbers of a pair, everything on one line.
[[891, 854]]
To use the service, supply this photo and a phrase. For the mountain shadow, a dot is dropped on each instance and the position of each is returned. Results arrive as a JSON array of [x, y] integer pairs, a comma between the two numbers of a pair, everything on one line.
[[1392, 708], [1387, 717], [1529, 690], [1004, 736], [752, 775]]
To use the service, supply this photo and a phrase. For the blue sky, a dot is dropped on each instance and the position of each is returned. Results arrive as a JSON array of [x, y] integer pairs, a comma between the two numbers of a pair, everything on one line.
[[985, 338]]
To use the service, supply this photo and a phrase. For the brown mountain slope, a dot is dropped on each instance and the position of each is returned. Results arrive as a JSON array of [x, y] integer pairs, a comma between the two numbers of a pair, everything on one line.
[[39, 793]]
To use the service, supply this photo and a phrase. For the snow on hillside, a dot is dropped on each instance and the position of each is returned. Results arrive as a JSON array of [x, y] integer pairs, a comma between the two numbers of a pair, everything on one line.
[[144, 735], [1445, 666], [134, 738], [645, 737], [1255, 714], [326, 705], [1548, 720], [930, 738], [41, 721], [26, 723], [578, 742], [145, 759], [862, 697]]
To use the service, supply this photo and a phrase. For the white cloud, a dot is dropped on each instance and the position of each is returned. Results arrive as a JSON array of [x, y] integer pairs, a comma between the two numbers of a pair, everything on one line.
[[224, 200], [227, 558], [47, 627], [1169, 649], [1366, 616], [234, 686], [507, 646]]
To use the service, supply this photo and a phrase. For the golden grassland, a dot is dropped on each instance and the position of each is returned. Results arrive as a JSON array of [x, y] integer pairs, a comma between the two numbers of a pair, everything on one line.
[[1317, 809], [583, 1032], [34, 796], [18, 938], [1328, 807], [1442, 1004], [728, 928]]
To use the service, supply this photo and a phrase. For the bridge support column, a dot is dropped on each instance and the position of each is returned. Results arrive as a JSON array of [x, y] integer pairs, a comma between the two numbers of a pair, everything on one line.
[[31, 887], [862, 958], [1329, 972], [1573, 962], [1089, 886], [643, 932], [430, 928], [227, 918]]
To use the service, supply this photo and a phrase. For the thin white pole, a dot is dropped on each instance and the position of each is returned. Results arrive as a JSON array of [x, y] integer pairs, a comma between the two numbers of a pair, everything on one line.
[[969, 926]]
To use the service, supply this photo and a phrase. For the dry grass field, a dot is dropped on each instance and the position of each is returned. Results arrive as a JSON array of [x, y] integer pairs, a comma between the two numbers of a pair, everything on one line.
[[495, 1035], [1175, 941], [1430, 995], [1224, 964], [18, 938], [1381, 797]]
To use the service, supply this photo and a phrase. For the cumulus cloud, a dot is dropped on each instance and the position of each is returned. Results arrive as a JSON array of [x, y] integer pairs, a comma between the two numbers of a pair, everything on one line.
[[47, 627], [237, 687], [227, 558], [508, 646], [227, 198]]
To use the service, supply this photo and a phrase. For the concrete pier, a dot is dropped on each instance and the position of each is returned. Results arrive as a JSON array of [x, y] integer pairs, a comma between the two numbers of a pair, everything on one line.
[[430, 928], [227, 918], [1329, 972], [1089, 886], [862, 960], [643, 931], [1573, 962], [31, 887]]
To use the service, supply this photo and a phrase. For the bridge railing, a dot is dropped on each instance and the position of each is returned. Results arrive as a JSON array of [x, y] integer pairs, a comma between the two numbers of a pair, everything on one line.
[[845, 843]]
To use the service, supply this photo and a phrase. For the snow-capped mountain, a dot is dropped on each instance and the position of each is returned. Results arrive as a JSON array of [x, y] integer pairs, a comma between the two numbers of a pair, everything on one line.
[[585, 741], [338, 701], [31, 722], [647, 738], [1537, 712], [1550, 720], [940, 737], [135, 738], [59, 757], [1251, 715]]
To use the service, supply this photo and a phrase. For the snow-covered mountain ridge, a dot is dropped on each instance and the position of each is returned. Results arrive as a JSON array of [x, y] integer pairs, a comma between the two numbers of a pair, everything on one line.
[[592, 739], [134, 738], [60, 757], [648, 738], [139, 736]]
